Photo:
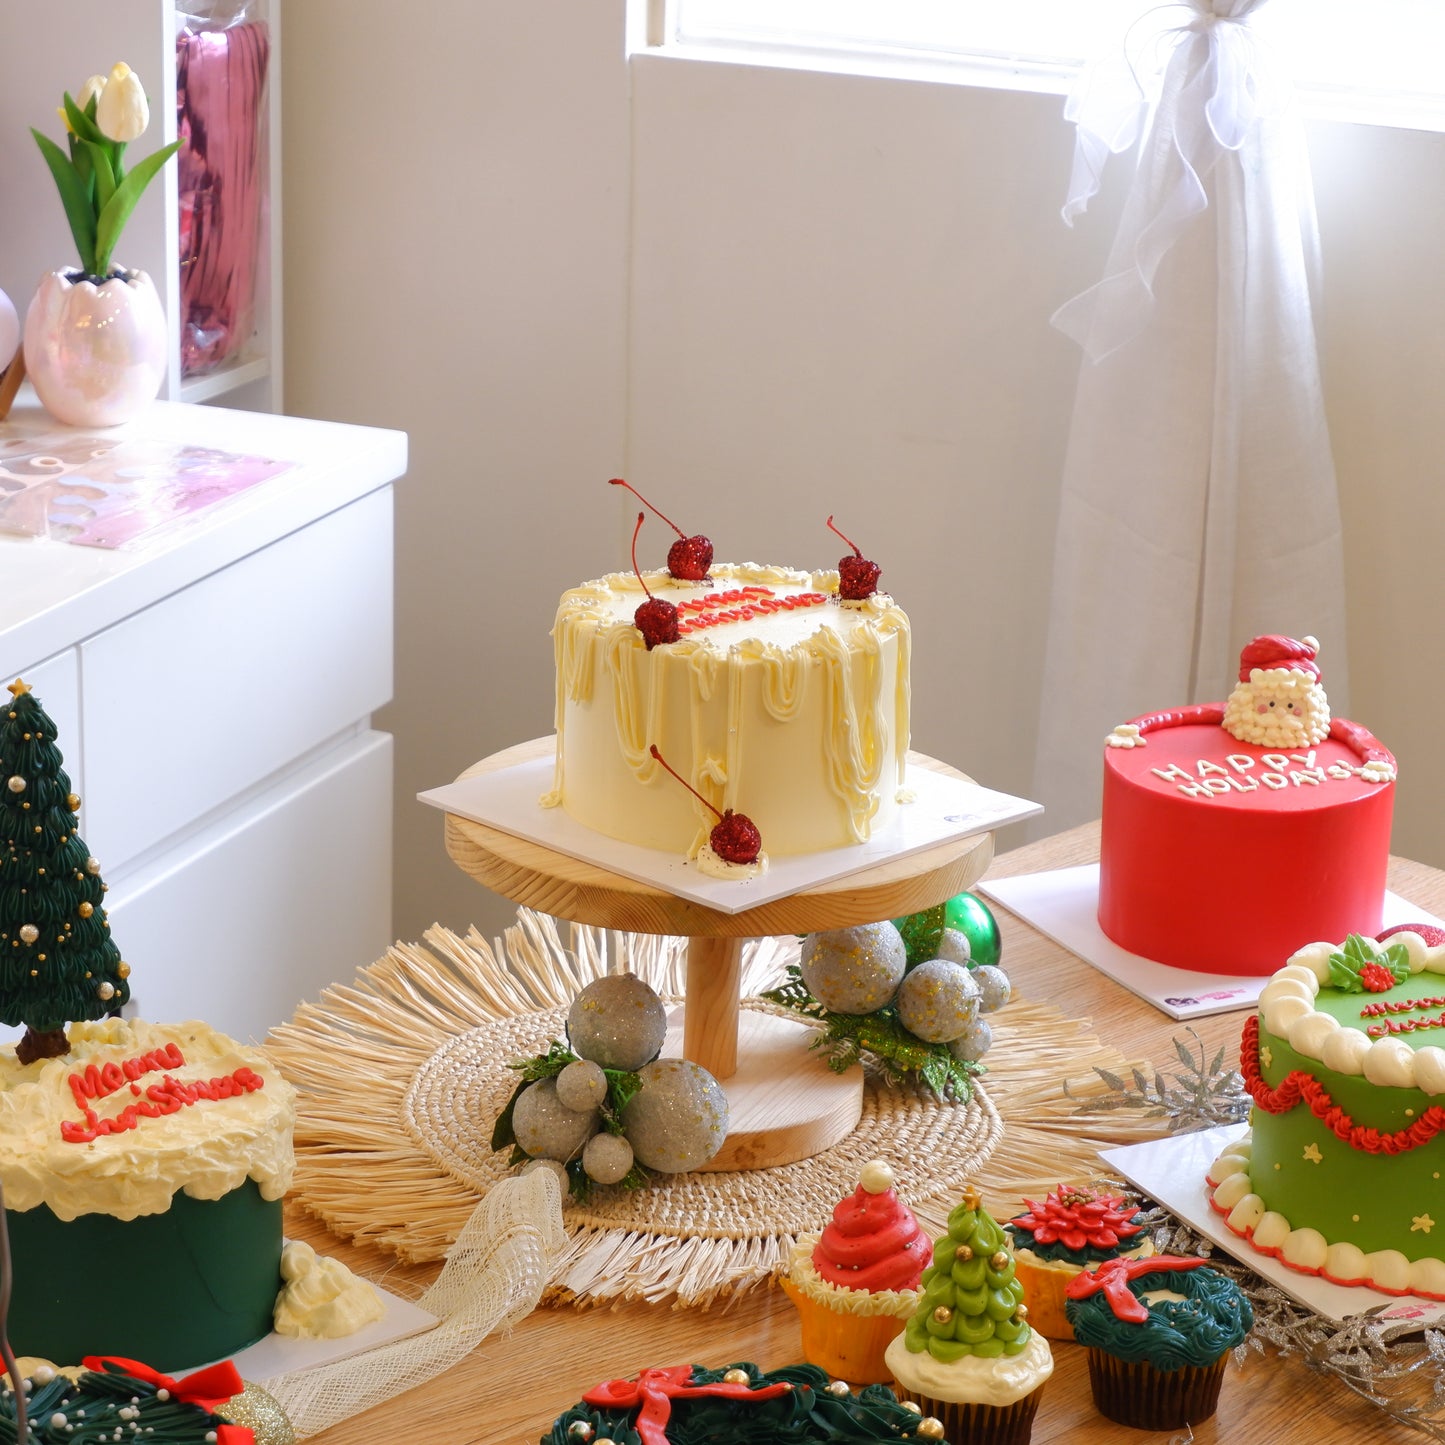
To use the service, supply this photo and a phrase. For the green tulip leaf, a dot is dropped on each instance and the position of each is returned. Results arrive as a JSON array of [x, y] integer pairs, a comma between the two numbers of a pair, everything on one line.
[[82, 122], [74, 196], [99, 159], [118, 209]]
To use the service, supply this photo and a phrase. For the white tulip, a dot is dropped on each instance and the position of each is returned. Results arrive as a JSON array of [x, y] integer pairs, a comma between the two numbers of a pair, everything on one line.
[[93, 86], [121, 112]]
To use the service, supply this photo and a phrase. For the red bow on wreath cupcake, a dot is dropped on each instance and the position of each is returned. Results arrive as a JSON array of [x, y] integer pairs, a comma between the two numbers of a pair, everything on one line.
[[207, 1389], [656, 1389], [1113, 1278]]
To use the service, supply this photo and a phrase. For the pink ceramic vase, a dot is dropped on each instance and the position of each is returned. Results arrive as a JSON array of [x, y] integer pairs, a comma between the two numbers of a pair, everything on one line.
[[95, 354]]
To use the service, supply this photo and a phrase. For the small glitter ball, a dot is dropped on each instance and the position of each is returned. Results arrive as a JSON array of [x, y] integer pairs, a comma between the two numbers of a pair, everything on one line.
[[29, 933], [260, 1413], [938, 1001], [854, 970]]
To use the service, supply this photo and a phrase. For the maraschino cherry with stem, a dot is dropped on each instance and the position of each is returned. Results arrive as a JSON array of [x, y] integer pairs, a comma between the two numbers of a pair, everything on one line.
[[857, 576], [735, 837], [689, 557], [655, 619]]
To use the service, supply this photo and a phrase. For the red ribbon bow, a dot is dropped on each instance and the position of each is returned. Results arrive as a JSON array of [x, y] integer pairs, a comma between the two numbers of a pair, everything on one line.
[[206, 1389], [655, 1391], [1113, 1278]]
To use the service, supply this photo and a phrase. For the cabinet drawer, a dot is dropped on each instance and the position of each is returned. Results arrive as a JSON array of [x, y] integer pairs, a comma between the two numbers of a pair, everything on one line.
[[56, 683], [187, 704], [266, 908]]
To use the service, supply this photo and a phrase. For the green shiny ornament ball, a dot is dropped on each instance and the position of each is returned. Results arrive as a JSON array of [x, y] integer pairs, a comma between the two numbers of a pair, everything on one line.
[[969, 914], [920, 933]]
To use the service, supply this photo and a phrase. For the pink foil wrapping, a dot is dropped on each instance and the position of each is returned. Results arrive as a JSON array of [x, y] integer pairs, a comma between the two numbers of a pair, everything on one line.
[[220, 99]]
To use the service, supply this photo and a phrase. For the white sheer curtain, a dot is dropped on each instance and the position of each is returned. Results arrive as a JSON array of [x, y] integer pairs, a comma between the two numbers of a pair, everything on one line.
[[1199, 505]]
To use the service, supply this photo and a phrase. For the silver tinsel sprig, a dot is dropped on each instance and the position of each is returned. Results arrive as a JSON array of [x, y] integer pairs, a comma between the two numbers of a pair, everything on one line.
[[1201, 1094], [1396, 1367]]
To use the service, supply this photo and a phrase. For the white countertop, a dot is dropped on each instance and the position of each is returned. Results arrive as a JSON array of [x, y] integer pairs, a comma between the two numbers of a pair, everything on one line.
[[52, 593]]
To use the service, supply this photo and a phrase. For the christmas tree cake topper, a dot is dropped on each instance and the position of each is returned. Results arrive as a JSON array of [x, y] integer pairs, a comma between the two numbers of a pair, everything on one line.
[[58, 964], [971, 1302]]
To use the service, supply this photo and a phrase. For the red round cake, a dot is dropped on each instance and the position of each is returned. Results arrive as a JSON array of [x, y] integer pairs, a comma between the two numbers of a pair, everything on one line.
[[1222, 853]]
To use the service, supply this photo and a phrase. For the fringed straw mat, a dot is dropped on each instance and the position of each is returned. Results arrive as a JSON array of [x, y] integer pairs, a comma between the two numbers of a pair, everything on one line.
[[402, 1076]]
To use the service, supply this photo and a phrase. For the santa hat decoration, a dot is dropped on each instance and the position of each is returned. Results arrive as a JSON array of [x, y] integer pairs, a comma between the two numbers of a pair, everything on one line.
[[1276, 651]]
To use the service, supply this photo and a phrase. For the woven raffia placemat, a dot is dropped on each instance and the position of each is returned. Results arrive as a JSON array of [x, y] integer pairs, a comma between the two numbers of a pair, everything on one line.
[[402, 1075]]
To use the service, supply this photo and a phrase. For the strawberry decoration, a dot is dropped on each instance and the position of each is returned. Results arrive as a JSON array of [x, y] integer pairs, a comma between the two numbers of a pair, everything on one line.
[[655, 619], [735, 837], [857, 576], [689, 558]]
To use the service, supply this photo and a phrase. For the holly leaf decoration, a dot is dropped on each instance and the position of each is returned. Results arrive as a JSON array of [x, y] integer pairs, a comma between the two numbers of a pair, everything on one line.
[[1348, 963], [845, 1038]]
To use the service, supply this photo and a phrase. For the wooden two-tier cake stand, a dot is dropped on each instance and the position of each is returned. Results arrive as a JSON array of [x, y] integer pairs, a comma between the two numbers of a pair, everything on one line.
[[784, 1103]]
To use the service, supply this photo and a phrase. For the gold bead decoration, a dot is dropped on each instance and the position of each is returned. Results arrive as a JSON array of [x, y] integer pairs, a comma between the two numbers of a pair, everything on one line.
[[122, 970], [86, 909], [92, 864], [965, 1251], [736, 1377], [72, 801], [999, 1260], [912, 1405], [930, 1428], [261, 1413], [1023, 1312], [29, 933], [16, 784], [839, 1388], [942, 1315]]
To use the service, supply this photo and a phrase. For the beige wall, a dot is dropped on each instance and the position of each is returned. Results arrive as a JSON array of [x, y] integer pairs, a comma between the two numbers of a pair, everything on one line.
[[765, 296]]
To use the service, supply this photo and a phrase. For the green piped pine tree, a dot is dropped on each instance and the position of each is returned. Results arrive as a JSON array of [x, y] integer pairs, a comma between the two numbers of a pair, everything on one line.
[[970, 1302], [57, 961]]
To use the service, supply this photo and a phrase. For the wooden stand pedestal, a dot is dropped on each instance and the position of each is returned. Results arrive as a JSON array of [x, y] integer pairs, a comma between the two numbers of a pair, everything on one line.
[[784, 1102]]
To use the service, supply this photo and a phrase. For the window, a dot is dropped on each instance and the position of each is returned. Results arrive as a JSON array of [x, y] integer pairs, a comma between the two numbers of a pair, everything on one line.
[[1377, 61]]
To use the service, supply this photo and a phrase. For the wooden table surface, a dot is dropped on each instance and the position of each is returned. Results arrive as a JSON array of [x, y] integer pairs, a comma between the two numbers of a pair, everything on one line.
[[509, 1390]]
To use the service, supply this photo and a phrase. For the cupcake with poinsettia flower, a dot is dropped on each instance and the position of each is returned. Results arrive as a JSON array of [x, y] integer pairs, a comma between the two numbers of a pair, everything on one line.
[[1072, 1229], [856, 1283]]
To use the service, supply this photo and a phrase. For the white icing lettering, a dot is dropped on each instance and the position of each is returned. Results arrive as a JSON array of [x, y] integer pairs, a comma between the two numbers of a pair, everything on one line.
[[1205, 768], [1278, 761], [1240, 762], [1217, 785], [1274, 780], [1194, 790], [1307, 760], [1173, 773], [1340, 771], [1244, 785], [1313, 776]]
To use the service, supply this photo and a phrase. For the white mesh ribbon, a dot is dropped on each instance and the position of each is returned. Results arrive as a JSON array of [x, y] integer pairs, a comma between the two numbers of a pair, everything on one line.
[[493, 1277], [1198, 505]]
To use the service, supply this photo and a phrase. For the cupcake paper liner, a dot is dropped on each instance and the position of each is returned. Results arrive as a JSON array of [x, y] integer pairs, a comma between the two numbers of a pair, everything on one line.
[[970, 1424], [1147, 1398], [849, 1347]]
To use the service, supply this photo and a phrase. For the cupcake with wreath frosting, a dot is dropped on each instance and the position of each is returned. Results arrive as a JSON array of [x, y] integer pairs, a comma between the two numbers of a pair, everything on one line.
[[1158, 1332], [1071, 1229], [968, 1355], [857, 1282]]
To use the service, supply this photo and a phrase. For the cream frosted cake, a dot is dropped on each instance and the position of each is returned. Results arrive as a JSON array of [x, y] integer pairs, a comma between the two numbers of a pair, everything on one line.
[[1236, 832], [1340, 1174], [778, 699]]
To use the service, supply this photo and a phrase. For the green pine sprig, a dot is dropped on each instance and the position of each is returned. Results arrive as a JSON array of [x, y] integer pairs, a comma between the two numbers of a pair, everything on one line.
[[846, 1038]]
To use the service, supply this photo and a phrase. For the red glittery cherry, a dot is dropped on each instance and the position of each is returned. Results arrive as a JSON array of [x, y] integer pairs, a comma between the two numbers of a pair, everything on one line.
[[735, 837], [857, 576], [655, 619], [1433, 936], [689, 557]]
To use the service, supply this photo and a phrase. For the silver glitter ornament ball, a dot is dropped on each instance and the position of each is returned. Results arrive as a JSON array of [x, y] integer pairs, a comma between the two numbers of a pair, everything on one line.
[[954, 947], [558, 1172], [545, 1127], [973, 1043], [993, 987], [678, 1119], [617, 1021], [938, 1001], [582, 1086], [607, 1158], [854, 970]]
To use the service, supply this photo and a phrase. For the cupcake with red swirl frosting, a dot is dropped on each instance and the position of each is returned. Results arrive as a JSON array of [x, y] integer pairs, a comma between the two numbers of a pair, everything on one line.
[[1072, 1229], [856, 1283]]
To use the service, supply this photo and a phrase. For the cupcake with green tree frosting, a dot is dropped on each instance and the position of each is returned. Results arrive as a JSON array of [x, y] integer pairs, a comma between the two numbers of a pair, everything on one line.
[[1158, 1332], [968, 1354]]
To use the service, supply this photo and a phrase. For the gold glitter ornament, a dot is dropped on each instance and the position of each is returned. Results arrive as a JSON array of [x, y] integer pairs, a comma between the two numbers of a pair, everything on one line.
[[16, 784], [29, 933], [854, 970], [617, 1021], [260, 1413], [938, 1001], [739, 1377], [942, 1315], [86, 909], [839, 1388], [930, 1428]]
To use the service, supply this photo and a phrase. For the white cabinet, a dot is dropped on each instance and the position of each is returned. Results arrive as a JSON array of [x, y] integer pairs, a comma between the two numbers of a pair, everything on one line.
[[47, 49], [213, 694]]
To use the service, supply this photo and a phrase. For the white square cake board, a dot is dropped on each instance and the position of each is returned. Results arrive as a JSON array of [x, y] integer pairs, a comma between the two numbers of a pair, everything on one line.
[[944, 809], [281, 1354], [1064, 904], [1172, 1171]]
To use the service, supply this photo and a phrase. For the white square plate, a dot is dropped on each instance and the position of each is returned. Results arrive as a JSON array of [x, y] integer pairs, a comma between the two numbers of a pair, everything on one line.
[[944, 808], [1064, 904]]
